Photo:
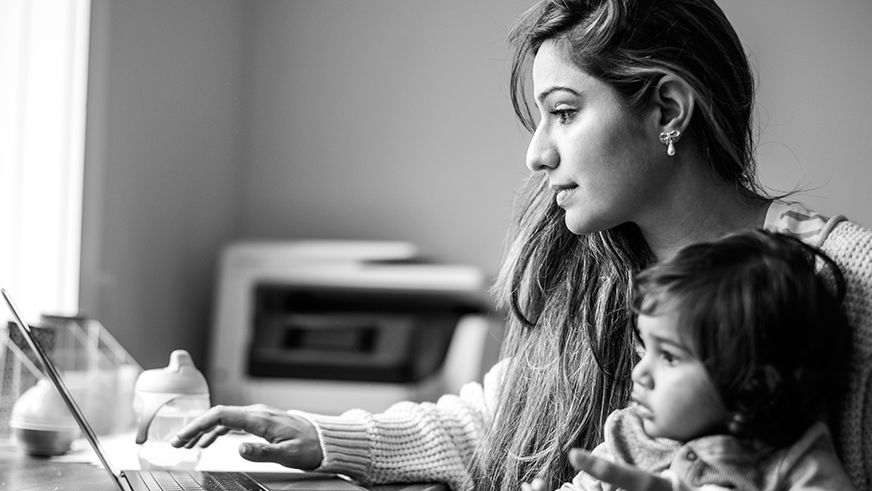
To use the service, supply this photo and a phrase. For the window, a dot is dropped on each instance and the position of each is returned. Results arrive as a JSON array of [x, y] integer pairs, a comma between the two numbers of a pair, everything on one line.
[[43, 59]]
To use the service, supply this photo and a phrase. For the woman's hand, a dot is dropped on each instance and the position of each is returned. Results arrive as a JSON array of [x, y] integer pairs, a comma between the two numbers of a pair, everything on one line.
[[619, 475], [292, 440]]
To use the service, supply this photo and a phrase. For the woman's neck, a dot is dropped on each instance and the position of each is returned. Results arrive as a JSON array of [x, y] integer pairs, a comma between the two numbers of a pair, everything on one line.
[[700, 209]]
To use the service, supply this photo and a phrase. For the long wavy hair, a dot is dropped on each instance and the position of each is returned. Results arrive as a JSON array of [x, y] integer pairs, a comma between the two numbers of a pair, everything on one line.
[[569, 343]]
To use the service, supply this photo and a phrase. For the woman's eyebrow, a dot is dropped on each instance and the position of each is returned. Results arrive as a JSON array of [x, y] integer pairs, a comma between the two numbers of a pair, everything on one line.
[[545, 93]]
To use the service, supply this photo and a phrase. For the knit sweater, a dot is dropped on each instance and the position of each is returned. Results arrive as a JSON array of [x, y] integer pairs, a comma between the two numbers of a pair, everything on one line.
[[410, 442], [421, 442]]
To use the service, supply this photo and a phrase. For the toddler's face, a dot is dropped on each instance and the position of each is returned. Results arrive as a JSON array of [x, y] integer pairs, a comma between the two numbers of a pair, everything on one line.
[[676, 398]]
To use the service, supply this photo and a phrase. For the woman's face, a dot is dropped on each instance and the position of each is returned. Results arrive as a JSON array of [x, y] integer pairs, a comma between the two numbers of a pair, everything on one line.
[[601, 159]]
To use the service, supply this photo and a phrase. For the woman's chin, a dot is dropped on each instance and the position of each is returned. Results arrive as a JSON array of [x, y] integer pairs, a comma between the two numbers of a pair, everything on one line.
[[583, 225]]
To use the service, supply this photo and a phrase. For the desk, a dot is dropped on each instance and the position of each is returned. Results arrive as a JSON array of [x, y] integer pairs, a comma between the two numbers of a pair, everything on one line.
[[20, 472]]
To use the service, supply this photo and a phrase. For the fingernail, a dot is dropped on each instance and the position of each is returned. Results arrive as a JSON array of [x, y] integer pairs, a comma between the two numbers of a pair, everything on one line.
[[245, 449]]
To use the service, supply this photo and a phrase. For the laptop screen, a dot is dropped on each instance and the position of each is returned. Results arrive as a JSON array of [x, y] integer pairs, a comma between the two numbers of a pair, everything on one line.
[[52, 373]]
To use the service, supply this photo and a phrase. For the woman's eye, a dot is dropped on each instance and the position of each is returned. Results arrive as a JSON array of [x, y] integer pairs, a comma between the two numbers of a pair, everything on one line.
[[564, 115]]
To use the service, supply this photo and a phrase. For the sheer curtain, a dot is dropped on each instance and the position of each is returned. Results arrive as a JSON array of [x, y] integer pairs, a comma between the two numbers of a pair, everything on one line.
[[43, 59]]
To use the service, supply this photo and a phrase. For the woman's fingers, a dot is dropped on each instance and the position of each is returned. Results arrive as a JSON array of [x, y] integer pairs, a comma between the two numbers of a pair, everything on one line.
[[207, 438], [261, 452], [271, 452], [292, 441], [623, 476], [229, 417], [288, 454], [192, 442]]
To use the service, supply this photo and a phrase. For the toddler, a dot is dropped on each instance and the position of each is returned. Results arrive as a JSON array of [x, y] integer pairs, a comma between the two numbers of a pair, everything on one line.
[[743, 351]]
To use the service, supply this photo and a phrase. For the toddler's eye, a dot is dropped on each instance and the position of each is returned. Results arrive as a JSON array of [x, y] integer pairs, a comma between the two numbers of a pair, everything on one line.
[[668, 357]]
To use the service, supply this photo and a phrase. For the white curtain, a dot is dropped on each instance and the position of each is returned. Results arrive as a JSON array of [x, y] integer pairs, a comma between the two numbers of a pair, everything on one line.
[[43, 76]]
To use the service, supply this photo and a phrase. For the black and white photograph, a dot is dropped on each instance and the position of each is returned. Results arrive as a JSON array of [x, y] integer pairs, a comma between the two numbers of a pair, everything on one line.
[[452, 245]]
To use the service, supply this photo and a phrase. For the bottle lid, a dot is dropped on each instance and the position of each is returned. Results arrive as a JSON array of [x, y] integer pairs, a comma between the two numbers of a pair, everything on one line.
[[180, 377]]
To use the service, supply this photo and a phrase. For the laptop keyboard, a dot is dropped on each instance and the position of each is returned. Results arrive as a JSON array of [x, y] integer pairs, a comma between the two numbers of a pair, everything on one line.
[[191, 481]]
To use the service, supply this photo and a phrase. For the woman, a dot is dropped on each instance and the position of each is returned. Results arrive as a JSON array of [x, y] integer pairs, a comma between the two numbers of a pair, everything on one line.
[[643, 144]]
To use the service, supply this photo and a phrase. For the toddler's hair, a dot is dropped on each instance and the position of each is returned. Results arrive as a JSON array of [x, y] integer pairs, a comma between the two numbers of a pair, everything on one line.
[[766, 324]]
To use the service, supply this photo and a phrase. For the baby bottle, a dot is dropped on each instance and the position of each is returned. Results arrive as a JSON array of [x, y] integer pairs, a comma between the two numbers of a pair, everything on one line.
[[165, 400]]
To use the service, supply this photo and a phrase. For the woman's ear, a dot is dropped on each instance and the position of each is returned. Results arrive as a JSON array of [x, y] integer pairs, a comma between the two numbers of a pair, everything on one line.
[[675, 102]]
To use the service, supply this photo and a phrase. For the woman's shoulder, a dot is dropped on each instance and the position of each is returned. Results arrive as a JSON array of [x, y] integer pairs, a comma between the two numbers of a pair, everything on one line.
[[793, 218], [847, 242], [850, 245]]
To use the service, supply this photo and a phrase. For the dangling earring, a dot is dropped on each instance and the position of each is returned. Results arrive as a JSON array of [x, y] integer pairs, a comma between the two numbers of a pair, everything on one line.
[[669, 138]]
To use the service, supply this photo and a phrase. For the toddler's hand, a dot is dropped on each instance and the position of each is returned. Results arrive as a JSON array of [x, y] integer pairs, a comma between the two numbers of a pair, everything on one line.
[[536, 485], [584, 482], [616, 475], [539, 485]]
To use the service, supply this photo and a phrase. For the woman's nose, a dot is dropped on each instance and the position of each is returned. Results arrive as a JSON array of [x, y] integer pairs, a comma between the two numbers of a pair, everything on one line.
[[541, 153]]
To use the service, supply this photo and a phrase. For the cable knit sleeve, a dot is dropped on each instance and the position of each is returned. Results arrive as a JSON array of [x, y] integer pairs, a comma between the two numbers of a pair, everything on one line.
[[410, 442], [850, 245]]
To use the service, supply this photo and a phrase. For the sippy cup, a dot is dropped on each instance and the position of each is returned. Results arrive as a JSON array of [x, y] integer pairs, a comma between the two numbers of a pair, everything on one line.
[[165, 400]]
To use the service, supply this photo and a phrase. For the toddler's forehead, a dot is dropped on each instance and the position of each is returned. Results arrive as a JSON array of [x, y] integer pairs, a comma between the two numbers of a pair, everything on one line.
[[671, 319]]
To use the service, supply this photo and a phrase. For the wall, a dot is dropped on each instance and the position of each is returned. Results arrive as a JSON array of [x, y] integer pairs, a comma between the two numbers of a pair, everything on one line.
[[383, 119], [162, 165], [386, 119], [814, 98]]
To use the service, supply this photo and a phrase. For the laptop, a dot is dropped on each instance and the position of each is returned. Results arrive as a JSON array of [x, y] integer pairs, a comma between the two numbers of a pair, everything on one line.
[[171, 480]]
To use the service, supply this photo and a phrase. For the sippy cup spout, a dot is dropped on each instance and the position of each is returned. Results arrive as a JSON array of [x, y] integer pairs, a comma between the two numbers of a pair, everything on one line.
[[180, 360]]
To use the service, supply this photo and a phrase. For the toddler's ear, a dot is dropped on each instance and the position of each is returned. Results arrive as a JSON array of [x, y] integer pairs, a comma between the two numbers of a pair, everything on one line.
[[754, 399]]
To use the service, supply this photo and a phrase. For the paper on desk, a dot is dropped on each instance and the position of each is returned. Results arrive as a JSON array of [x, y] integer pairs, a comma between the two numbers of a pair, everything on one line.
[[223, 455]]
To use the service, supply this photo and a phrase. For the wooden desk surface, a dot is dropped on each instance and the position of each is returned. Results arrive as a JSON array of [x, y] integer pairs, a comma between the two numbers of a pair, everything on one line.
[[20, 472]]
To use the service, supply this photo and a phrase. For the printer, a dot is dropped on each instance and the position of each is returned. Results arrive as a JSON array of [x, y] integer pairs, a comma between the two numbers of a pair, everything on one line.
[[326, 326]]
